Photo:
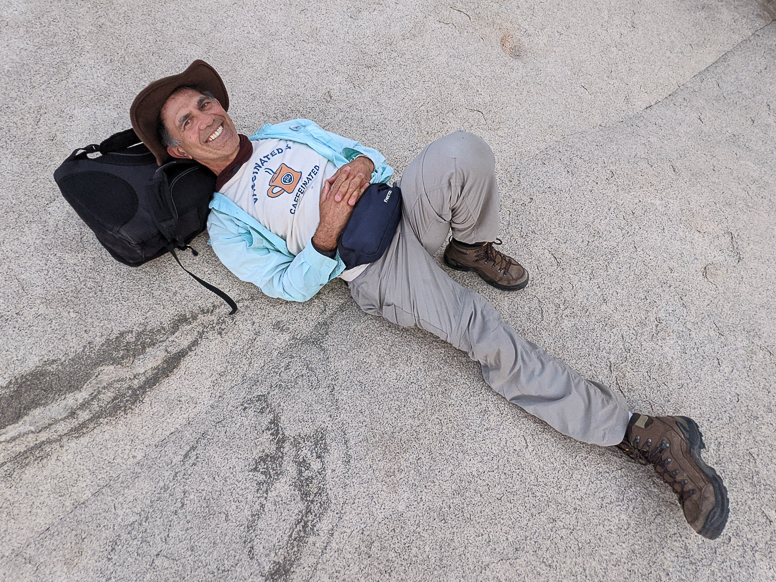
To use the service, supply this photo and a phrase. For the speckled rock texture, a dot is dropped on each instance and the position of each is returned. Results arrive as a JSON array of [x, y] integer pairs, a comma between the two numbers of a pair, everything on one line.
[[146, 435]]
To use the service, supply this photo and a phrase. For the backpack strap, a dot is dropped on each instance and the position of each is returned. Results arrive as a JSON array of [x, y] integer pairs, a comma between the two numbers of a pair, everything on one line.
[[163, 210], [117, 142], [165, 216], [229, 301], [83, 152]]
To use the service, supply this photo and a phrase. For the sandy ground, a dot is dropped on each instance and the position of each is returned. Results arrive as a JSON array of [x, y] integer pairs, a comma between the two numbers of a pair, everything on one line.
[[146, 435]]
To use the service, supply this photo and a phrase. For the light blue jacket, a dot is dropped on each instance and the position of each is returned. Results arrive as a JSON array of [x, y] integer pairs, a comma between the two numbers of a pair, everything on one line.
[[258, 256]]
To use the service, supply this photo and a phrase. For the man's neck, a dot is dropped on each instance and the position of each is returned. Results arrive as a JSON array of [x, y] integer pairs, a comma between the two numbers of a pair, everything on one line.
[[219, 166], [242, 155]]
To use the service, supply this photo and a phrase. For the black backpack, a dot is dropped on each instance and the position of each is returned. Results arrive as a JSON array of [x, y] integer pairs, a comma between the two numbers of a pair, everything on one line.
[[138, 210]]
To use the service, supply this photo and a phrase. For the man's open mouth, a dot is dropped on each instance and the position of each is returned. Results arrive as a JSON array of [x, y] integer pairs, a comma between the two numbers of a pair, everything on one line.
[[216, 133]]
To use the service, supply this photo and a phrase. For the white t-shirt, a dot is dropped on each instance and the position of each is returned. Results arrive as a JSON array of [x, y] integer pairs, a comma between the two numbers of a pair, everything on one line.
[[280, 186]]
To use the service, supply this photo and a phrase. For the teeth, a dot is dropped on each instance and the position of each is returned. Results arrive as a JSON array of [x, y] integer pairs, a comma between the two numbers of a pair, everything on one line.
[[216, 133]]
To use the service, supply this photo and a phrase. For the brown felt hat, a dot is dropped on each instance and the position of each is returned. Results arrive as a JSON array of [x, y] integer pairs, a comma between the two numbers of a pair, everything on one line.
[[147, 106]]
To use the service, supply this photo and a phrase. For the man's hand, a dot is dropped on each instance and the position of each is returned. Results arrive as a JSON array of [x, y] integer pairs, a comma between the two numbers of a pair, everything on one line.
[[339, 197], [352, 178]]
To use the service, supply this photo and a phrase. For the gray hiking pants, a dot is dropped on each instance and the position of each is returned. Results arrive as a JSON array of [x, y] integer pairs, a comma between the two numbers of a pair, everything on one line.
[[452, 184]]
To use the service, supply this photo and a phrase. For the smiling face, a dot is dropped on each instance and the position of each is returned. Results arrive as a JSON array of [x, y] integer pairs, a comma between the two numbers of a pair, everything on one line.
[[203, 129]]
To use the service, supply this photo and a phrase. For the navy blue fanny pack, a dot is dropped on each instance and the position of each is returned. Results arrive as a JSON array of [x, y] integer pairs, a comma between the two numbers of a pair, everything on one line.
[[371, 226]]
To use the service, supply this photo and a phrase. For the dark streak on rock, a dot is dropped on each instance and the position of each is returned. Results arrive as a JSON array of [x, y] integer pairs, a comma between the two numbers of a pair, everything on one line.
[[734, 247], [619, 388], [557, 261], [310, 484], [131, 395], [188, 457], [304, 455], [309, 481], [268, 466], [257, 404], [53, 380], [121, 397], [280, 327]]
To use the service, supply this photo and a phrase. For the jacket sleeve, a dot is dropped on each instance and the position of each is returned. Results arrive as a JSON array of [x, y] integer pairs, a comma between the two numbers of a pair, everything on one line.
[[256, 258], [339, 150]]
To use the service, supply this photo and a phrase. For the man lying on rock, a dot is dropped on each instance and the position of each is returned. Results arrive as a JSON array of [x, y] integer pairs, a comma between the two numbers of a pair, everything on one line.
[[285, 195]]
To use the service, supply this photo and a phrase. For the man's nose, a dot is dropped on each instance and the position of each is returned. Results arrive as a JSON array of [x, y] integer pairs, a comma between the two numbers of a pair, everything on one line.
[[203, 119]]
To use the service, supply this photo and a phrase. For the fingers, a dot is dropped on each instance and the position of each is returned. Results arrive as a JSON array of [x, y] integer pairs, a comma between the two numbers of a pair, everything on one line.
[[354, 197], [333, 184], [352, 189], [333, 218], [345, 184], [341, 179], [349, 188]]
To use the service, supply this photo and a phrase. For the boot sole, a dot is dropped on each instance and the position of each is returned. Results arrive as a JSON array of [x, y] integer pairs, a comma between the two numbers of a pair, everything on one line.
[[717, 517], [453, 264]]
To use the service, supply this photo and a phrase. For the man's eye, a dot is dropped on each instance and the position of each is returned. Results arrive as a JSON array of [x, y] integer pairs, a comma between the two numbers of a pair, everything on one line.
[[206, 104], [186, 123]]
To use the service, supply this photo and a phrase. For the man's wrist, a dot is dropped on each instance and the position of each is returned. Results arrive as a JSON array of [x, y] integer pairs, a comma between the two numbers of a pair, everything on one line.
[[325, 250], [366, 158]]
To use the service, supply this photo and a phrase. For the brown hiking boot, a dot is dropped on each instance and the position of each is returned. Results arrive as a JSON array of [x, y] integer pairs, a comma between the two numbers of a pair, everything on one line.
[[494, 267], [672, 444]]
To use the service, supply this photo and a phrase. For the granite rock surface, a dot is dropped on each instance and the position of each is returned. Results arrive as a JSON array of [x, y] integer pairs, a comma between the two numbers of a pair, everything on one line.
[[146, 435]]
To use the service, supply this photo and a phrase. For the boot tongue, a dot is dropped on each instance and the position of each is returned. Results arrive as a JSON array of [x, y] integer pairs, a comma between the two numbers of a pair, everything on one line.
[[641, 421]]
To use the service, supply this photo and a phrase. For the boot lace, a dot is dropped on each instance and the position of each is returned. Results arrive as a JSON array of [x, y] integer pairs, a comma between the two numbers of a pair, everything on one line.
[[659, 456], [488, 254]]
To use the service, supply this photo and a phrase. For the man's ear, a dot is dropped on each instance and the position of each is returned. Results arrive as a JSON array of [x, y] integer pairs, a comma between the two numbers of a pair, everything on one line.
[[178, 153]]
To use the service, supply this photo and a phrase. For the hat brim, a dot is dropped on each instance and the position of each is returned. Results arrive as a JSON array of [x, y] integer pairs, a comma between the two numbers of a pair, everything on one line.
[[147, 106]]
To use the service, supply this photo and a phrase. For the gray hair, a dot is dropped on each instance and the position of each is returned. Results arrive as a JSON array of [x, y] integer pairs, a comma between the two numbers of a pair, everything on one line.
[[167, 140]]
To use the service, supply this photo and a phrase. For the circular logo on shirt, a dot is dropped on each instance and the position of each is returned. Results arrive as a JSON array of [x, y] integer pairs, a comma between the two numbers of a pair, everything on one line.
[[283, 180]]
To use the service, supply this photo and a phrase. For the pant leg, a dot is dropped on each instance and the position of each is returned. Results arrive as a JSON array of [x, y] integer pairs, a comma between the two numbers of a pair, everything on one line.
[[407, 287], [452, 185]]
